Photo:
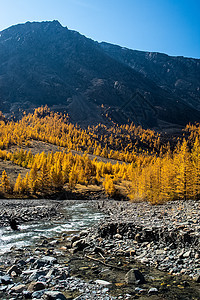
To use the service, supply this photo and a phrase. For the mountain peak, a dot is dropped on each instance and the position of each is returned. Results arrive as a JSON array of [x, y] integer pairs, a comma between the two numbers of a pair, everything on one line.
[[24, 28]]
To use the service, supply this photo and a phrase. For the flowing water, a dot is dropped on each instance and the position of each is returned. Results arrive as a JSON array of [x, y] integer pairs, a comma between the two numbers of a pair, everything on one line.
[[78, 217]]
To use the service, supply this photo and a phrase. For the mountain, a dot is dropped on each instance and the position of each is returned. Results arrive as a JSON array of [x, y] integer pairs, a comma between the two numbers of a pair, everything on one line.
[[46, 63], [177, 75]]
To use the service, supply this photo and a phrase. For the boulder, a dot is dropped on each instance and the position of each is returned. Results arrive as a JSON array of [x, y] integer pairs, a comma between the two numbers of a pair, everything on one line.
[[53, 295], [80, 245], [134, 276], [36, 286], [14, 269], [18, 288], [5, 279]]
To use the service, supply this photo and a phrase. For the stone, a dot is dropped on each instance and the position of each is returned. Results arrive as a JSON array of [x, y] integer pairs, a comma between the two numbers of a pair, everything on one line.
[[80, 245], [36, 286], [53, 295], [153, 291], [118, 236], [75, 238], [3, 288], [36, 274], [98, 250], [130, 252], [83, 233], [5, 279], [187, 254], [54, 242], [138, 237], [102, 282], [38, 295], [196, 278], [51, 273], [21, 262], [160, 252], [49, 260], [15, 269], [134, 276], [27, 294], [62, 276], [18, 288], [139, 290]]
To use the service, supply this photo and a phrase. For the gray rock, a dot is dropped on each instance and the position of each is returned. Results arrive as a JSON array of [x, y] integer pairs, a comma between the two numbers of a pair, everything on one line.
[[38, 294], [36, 274], [36, 286], [160, 252], [5, 279], [102, 282], [80, 245], [21, 262], [83, 233], [3, 288], [15, 269], [187, 254], [53, 295], [118, 236], [18, 288], [153, 291], [139, 290], [50, 260], [30, 260], [134, 276], [75, 238], [27, 294], [196, 278]]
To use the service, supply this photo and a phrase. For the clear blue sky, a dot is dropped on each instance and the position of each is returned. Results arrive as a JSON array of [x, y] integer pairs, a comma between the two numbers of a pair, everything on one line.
[[169, 26]]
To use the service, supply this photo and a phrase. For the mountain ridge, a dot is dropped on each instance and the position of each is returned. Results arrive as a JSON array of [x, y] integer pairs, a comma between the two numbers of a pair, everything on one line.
[[46, 63]]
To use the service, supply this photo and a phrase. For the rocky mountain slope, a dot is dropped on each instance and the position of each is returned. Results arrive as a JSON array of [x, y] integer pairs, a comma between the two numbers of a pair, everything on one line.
[[177, 75], [45, 63]]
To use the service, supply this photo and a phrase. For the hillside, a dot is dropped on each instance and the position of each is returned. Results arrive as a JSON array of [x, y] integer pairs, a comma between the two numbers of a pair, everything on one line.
[[43, 155], [178, 75], [45, 63]]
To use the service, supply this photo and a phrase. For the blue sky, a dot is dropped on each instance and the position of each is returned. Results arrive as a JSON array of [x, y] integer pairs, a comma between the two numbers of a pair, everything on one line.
[[169, 26]]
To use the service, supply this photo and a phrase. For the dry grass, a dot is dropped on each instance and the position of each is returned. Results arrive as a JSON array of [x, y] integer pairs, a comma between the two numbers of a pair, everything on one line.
[[87, 189], [39, 147], [12, 170]]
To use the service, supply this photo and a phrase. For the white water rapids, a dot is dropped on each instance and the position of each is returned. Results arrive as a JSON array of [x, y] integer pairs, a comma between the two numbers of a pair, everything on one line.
[[78, 217]]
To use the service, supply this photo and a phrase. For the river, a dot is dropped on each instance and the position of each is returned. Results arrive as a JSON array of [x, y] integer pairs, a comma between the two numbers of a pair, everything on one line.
[[78, 217]]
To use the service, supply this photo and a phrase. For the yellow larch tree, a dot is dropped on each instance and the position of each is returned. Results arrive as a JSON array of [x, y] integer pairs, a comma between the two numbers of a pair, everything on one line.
[[183, 165], [33, 178], [18, 187], [109, 186], [5, 183], [195, 154]]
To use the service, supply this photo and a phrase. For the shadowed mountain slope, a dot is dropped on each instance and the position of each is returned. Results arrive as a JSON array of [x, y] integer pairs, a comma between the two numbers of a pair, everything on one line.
[[45, 63]]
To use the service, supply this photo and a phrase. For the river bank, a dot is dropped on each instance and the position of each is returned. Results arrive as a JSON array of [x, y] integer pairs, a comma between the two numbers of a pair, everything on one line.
[[129, 255]]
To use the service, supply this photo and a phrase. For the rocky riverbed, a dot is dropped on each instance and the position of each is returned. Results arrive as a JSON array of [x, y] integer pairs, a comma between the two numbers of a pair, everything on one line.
[[164, 236], [26, 210], [137, 252]]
